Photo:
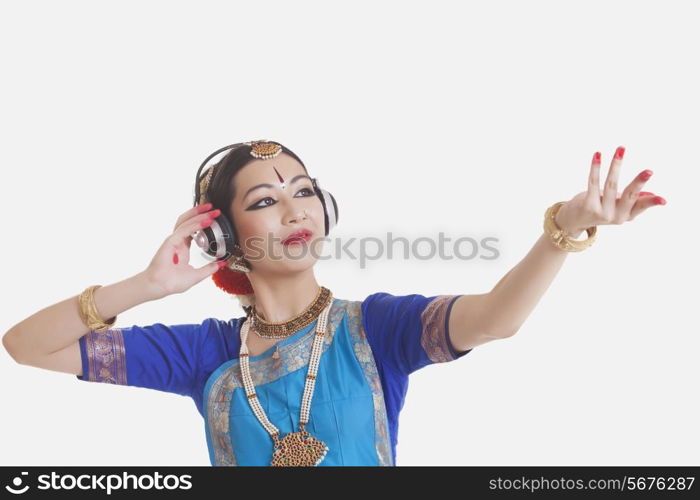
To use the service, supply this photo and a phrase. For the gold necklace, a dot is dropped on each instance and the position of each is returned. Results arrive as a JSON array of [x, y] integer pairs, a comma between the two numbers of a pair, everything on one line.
[[283, 329]]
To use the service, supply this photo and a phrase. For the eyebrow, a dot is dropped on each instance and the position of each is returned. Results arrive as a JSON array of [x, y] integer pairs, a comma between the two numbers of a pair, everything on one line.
[[259, 186]]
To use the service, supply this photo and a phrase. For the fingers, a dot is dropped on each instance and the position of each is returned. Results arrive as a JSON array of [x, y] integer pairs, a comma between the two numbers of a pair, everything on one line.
[[618, 208], [594, 178], [610, 190], [197, 209], [209, 269], [645, 200], [194, 224], [630, 195]]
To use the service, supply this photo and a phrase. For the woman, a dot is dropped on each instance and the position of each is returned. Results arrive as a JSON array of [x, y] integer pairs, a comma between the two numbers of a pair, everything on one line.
[[322, 380]]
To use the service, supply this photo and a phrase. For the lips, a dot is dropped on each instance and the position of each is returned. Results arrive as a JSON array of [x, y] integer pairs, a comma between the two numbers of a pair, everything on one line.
[[297, 237]]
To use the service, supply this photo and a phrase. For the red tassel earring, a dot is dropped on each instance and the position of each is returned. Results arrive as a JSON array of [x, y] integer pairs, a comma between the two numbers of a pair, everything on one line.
[[232, 282]]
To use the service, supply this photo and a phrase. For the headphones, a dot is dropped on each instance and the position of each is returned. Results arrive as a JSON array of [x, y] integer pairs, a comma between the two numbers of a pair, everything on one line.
[[219, 240]]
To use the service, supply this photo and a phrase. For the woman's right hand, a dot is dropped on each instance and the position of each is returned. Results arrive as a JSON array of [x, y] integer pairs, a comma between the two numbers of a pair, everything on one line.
[[170, 272]]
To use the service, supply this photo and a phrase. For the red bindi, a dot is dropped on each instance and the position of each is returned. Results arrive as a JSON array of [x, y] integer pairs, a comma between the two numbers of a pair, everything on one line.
[[279, 176]]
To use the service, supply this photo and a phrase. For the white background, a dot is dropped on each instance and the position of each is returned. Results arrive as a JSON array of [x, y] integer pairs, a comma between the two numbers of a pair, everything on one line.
[[466, 117]]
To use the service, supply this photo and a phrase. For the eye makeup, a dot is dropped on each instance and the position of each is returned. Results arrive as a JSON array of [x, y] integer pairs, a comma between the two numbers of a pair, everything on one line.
[[257, 206]]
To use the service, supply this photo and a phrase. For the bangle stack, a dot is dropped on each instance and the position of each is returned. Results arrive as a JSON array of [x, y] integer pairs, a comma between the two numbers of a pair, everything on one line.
[[88, 311], [559, 237]]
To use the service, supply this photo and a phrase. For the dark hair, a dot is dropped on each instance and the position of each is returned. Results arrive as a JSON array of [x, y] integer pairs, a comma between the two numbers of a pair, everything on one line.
[[221, 189]]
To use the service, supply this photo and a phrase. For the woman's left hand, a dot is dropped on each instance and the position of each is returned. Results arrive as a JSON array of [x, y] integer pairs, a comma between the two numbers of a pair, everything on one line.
[[589, 208]]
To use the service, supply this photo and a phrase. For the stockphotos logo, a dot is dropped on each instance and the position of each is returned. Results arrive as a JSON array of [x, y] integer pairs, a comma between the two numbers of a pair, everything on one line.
[[17, 487], [103, 482]]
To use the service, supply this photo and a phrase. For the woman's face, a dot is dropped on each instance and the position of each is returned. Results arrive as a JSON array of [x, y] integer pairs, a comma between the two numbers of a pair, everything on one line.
[[273, 199]]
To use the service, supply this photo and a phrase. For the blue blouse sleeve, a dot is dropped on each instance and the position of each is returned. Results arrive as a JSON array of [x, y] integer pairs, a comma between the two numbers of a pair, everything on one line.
[[408, 332], [161, 357]]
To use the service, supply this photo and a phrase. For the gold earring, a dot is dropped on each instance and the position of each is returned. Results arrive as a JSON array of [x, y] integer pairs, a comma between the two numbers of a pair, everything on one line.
[[239, 263]]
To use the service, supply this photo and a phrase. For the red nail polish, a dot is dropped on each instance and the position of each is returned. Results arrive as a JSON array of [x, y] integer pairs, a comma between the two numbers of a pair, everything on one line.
[[214, 213], [204, 208], [645, 175], [175, 259], [596, 157], [221, 263], [645, 193], [619, 153], [206, 222], [659, 200]]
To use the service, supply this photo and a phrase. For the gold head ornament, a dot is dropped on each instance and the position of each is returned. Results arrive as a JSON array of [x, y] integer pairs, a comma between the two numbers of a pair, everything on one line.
[[264, 149]]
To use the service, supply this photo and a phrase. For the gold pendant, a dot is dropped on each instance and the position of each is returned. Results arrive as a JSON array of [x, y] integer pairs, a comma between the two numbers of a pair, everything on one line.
[[298, 449]]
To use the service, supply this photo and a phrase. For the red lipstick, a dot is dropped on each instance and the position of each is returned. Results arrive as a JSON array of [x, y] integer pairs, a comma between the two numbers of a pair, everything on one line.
[[298, 237]]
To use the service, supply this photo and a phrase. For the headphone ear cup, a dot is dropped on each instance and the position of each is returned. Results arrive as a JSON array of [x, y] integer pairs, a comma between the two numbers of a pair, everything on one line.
[[228, 234], [330, 209], [218, 240]]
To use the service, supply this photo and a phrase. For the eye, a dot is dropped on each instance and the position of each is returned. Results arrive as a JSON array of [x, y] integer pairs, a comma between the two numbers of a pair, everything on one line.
[[258, 205]]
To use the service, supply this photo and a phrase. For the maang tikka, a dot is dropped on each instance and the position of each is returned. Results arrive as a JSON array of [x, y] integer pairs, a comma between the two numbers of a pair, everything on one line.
[[264, 149]]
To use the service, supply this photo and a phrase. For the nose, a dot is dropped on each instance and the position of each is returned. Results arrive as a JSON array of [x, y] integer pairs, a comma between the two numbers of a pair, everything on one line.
[[299, 216]]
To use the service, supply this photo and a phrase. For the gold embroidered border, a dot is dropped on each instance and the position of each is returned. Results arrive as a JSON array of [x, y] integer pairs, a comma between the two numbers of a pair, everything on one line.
[[106, 356], [364, 354], [434, 335]]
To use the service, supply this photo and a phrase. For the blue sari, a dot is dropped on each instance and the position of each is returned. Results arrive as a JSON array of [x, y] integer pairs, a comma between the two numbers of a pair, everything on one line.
[[370, 348]]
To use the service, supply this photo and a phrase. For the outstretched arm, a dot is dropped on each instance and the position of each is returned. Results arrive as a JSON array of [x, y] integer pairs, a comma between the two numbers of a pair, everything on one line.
[[476, 319]]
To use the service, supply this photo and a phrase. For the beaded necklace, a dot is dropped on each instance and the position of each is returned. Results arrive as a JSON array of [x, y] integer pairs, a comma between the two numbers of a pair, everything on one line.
[[296, 448]]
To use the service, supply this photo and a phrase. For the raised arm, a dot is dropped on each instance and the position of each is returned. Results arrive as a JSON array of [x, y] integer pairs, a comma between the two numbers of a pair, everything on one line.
[[476, 319], [59, 326], [49, 338]]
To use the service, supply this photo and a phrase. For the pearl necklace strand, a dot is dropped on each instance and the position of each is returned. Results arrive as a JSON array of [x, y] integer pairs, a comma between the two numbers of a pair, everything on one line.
[[282, 448]]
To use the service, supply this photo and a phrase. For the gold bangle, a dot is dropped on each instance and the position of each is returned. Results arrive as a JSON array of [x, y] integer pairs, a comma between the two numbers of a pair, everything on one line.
[[559, 236], [88, 311]]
